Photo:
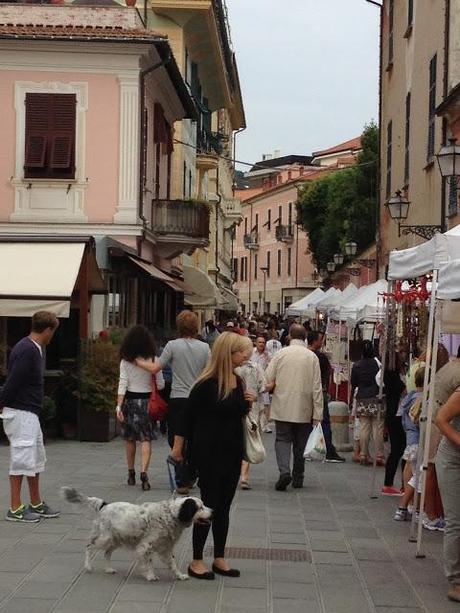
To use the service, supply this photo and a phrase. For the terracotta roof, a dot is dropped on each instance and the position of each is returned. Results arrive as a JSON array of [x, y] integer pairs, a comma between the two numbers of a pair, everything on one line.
[[70, 31], [353, 144]]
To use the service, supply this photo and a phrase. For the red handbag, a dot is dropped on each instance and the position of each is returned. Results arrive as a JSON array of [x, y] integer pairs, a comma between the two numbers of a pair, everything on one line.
[[157, 406]]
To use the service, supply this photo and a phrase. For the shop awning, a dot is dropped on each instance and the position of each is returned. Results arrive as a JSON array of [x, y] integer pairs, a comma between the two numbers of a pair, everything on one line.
[[37, 276], [229, 299], [206, 293], [157, 274]]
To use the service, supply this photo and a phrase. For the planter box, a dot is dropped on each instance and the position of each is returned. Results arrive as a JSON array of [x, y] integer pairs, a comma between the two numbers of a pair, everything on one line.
[[98, 426]]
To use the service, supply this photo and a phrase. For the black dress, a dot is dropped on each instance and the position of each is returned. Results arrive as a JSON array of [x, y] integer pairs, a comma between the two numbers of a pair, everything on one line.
[[216, 451]]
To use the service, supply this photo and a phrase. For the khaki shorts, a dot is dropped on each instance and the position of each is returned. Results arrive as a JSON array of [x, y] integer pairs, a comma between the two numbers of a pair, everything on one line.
[[27, 451]]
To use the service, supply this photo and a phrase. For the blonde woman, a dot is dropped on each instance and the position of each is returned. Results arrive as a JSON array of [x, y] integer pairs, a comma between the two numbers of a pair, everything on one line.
[[217, 405]]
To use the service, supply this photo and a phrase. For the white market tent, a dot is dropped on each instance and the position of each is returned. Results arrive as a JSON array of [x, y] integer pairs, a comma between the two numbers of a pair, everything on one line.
[[365, 304], [297, 309], [310, 311], [337, 300]]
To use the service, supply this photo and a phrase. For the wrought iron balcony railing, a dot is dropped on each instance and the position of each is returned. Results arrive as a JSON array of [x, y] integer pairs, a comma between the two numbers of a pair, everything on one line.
[[251, 240], [180, 217], [284, 233]]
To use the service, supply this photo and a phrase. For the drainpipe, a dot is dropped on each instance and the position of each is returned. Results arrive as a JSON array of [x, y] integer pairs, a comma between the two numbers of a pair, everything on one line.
[[216, 246], [142, 153], [378, 244], [235, 134], [444, 222]]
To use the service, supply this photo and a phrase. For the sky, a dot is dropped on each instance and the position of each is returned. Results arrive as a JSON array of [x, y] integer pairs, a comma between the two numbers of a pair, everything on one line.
[[308, 71]]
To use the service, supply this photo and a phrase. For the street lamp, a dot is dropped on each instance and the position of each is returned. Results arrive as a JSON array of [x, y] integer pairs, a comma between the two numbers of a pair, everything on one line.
[[338, 259], [398, 207], [351, 248], [449, 160], [323, 272], [264, 269], [330, 266]]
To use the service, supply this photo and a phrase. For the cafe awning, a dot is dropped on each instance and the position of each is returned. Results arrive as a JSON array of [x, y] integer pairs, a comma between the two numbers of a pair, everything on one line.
[[206, 293], [40, 275], [157, 274], [229, 299]]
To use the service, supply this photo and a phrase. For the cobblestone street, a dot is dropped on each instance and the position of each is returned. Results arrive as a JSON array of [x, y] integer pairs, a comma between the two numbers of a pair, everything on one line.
[[327, 548]]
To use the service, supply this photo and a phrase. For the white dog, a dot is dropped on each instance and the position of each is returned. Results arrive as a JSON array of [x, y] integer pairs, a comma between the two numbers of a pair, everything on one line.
[[152, 527]]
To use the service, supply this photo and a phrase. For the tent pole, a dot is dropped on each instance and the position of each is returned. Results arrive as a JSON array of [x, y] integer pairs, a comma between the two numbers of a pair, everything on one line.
[[383, 357], [428, 425], [426, 381]]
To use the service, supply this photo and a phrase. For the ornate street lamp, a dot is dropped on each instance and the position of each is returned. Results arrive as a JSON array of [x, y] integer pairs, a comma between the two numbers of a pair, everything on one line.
[[338, 259], [449, 159], [398, 207], [330, 266], [323, 272], [351, 248]]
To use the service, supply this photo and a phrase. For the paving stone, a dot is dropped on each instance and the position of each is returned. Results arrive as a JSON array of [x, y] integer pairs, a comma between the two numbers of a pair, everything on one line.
[[22, 605], [293, 591], [295, 606], [332, 557], [134, 607], [39, 589], [328, 545], [244, 597]]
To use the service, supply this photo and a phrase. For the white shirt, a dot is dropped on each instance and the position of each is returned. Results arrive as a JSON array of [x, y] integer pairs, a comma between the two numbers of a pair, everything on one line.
[[135, 379], [37, 345]]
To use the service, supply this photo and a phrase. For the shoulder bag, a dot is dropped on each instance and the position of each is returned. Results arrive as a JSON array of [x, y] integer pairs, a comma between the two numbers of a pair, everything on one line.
[[158, 408], [254, 450]]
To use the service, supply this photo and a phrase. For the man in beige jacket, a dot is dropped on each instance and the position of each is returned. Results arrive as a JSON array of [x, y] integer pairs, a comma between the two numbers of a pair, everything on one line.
[[294, 376]]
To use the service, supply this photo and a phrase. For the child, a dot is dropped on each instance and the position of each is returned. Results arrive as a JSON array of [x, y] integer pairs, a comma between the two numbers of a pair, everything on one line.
[[254, 380], [410, 413]]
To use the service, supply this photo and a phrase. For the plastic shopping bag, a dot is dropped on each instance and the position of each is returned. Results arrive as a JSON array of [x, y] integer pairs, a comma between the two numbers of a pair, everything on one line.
[[316, 445]]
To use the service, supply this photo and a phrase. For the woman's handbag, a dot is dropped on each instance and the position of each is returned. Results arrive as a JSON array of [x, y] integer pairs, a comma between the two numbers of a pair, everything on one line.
[[254, 450], [356, 345], [157, 406]]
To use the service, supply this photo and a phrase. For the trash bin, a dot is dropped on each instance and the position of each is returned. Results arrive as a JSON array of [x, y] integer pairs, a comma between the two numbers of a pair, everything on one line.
[[339, 425]]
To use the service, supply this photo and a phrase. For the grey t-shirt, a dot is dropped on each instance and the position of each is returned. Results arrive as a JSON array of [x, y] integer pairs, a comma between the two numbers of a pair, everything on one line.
[[187, 358]]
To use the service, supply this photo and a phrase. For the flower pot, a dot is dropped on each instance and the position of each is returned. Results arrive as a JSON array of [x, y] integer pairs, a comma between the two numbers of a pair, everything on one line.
[[97, 426]]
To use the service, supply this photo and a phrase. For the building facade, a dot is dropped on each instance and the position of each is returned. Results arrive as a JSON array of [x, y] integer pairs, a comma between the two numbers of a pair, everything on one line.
[[418, 48]]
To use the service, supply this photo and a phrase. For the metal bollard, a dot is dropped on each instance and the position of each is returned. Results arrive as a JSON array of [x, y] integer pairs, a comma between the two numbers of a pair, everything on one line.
[[339, 425]]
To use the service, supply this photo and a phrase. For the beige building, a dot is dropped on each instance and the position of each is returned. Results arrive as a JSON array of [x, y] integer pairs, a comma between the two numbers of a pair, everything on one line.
[[201, 166], [415, 56]]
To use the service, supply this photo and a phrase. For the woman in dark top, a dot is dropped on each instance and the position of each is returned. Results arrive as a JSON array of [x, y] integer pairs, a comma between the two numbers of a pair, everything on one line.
[[394, 388], [365, 390], [216, 408]]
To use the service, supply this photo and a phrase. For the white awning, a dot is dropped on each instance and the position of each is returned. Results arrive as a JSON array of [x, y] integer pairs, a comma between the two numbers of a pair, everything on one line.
[[206, 293], [38, 276], [229, 299]]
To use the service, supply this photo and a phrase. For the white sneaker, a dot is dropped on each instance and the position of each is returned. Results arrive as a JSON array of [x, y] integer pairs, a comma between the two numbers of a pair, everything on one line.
[[433, 524], [268, 430]]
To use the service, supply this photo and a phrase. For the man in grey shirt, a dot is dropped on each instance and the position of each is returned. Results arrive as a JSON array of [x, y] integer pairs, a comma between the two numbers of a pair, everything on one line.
[[187, 357]]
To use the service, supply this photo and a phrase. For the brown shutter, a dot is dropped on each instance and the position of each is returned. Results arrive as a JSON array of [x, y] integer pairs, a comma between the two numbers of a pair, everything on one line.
[[61, 152], [62, 131], [36, 130]]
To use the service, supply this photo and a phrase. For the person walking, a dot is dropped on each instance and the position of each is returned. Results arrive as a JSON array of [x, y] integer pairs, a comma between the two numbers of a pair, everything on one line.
[[134, 390], [315, 341], [21, 400], [210, 333], [214, 427], [448, 474], [394, 387], [187, 357], [261, 357], [294, 376], [365, 391]]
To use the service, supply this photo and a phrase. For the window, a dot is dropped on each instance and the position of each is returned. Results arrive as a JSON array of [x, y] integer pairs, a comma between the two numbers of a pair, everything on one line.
[[268, 263], [431, 109], [452, 192], [235, 269], [390, 32], [278, 308], [189, 183], [254, 307], [280, 215], [50, 136], [279, 262], [289, 254], [256, 265], [257, 222], [389, 154], [410, 12], [242, 270], [269, 219], [184, 180], [290, 214], [407, 142], [245, 225], [245, 268], [267, 307]]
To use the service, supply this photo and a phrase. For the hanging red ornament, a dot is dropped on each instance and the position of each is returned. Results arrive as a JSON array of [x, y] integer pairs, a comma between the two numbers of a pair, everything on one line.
[[423, 292], [398, 293]]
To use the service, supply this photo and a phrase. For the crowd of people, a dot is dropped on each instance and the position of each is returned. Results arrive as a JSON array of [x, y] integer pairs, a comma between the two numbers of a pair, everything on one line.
[[276, 373]]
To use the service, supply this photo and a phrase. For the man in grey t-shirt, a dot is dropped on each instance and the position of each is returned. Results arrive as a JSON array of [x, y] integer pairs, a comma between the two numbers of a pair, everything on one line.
[[187, 357]]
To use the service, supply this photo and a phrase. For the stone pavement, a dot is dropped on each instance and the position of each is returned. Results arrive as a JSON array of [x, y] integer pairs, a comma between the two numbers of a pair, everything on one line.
[[325, 549]]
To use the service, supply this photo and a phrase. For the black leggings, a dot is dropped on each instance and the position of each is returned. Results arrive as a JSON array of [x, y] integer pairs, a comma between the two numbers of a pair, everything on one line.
[[217, 492], [397, 446]]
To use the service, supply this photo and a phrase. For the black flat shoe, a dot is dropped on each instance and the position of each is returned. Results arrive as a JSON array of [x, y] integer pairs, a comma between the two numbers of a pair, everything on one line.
[[131, 477], [207, 576], [231, 572], [145, 482]]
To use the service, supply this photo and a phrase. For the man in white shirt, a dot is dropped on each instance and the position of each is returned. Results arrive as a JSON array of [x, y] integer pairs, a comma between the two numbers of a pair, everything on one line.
[[294, 376]]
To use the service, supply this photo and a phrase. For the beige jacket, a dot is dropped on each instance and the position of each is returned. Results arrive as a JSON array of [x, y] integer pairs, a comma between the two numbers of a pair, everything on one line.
[[298, 394]]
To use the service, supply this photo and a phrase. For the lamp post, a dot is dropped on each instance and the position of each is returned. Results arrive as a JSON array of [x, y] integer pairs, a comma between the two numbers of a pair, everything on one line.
[[330, 267], [449, 166], [351, 247], [338, 259], [264, 270], [398, 207]]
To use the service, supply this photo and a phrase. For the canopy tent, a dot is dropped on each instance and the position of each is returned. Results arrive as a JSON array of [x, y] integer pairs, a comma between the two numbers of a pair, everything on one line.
[[297, 309], [337, 300], [310, 311], [42, 274], [364, 305]]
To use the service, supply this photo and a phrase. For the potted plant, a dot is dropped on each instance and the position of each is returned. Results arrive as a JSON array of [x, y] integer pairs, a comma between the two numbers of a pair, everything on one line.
[[97, 392], [48, 418]]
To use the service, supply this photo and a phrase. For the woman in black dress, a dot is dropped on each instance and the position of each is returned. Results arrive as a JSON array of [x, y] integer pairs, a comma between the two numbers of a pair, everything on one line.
[[214, 426]]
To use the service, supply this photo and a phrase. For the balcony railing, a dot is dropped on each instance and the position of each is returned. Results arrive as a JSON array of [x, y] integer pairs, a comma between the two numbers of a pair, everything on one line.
[[181, 217], [251, 240], [209, 143], [284, 233]]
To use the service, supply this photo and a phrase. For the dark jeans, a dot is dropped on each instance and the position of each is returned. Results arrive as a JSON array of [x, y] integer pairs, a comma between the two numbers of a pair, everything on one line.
[[397, 445], [217, 492], [326, 425], [176, 415], [291, 437]]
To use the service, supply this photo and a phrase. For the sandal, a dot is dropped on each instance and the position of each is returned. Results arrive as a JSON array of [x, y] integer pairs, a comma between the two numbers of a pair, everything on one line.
[[145, 482], [245, 485], [131, 476]]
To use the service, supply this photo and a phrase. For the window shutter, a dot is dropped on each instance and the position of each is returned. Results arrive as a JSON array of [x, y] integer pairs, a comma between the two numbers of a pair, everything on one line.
[[62, 130], [61, 152], [36, 130]]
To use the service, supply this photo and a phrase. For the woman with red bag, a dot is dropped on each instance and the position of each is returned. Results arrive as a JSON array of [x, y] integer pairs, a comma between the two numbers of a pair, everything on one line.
[[136, 391]]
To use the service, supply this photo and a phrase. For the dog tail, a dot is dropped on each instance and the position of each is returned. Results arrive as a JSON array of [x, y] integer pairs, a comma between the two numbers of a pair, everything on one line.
[[72, 495]]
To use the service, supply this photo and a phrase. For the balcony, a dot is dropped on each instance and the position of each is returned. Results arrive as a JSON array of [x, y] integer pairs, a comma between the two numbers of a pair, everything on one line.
[[208, 150], [179, 226], [284, 233], [251, 241], [233, 212]]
